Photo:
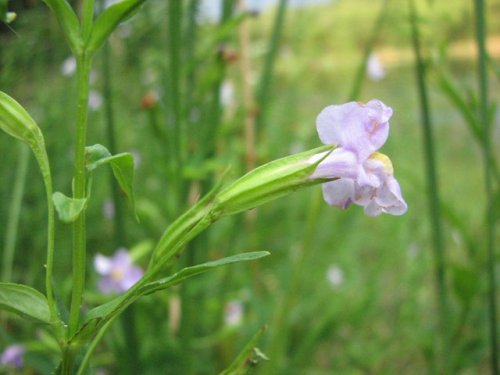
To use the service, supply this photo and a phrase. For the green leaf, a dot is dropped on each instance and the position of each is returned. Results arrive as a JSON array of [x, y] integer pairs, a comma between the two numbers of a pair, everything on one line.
[[248, 358], [24, 301], [121, 164], [195, 270], [109, 20], [68, 209], [69, 23], [100, 315]]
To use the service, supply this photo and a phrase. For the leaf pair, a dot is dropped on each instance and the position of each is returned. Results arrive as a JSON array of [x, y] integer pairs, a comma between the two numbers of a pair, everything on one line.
[[69, 209], [105, 24]]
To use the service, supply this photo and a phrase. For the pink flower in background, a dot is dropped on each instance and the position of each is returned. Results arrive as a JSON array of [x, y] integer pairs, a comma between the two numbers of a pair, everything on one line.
[[12, 356], [362, 175], [118, 273]]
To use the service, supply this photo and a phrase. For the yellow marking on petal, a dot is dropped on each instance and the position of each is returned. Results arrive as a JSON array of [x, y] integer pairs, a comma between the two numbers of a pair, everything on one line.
[[384, 159], [117, 275]]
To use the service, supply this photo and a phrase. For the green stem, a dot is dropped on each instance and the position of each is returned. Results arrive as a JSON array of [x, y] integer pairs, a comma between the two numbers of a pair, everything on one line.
[[90, 349], [130, 363], [87, 18], [79, 251], [173, 90], [43, 161], [490, 198], [432, 193], [14, 212]]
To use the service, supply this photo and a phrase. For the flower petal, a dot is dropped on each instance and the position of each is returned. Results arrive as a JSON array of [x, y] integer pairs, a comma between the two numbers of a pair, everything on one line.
[[339, 193], [132, 275], [121, 258], [361, 128], [102, 264], [340, 163]]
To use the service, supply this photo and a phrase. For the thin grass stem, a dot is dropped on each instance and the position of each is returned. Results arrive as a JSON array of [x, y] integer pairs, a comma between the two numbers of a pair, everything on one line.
[[438, 245], [480, 21], [262, 94], [130, 363]]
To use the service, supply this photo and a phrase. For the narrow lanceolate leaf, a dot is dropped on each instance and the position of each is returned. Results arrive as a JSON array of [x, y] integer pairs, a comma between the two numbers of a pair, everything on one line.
[[69, 22], [68, 209], [100, 315], [24, 301], [121, 164], [109, 20], [200, 268], [248, 358], [16, 121]]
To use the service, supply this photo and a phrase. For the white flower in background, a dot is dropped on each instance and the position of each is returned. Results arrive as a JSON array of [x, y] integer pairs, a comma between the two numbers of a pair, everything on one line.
[[227, 93], [374, 68], [233, 313], [68, 67], [335, 276], [95, 100]]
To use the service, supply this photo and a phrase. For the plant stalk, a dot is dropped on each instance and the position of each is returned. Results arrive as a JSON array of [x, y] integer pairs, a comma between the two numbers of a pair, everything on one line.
[[480, 20], [79, 182], [433, 195]]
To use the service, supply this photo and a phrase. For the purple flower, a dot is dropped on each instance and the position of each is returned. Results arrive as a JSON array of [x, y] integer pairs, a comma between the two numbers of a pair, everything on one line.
[[118, 272], [362, 175], [13, 356]]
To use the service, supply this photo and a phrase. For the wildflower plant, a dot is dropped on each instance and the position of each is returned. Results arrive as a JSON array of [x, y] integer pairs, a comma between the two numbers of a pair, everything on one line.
[[348, 165]]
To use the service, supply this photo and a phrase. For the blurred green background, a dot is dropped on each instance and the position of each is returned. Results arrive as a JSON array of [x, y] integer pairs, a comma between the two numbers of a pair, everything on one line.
[[342, 293]]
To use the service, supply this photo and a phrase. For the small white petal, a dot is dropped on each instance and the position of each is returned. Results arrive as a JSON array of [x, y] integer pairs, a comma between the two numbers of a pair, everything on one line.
[[102, 264], [68, 67]]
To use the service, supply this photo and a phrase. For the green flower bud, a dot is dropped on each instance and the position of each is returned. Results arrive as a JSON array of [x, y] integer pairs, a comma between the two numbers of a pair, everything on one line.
[[15, 121], [270, 181]]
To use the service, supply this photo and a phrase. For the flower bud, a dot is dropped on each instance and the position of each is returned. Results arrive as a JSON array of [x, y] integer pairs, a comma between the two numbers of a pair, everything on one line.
[[15, 121]]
